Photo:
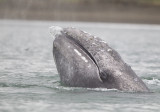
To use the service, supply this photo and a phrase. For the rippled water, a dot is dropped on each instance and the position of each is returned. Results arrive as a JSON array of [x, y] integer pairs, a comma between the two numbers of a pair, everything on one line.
[[29, 81]]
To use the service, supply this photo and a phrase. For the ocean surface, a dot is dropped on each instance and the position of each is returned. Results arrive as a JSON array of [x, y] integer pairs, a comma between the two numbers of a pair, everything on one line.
[[29, 81]]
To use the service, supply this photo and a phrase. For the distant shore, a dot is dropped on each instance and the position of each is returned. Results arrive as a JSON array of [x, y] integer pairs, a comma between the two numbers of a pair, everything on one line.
[[74, 10]]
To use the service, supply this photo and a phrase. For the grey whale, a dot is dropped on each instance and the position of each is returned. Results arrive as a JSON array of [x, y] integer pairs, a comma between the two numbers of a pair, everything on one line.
[[84, 60]]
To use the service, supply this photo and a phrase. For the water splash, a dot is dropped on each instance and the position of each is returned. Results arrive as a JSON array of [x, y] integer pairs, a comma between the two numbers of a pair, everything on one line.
[[153, 81]]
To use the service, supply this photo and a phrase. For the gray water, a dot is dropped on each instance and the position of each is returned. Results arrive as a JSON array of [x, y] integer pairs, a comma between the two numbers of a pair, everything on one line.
[[29, 81]]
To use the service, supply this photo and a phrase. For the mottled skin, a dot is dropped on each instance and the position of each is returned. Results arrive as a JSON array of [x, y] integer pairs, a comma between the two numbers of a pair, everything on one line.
[[84, 60]]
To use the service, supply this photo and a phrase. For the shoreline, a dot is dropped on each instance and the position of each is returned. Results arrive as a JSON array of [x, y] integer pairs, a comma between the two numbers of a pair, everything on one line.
[[69, 11], [73, 23]]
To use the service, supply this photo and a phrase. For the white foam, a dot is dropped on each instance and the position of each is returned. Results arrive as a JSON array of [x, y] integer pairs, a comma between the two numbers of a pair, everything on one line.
[[55, 30], [154, 81], [102, 89], [81, 88]]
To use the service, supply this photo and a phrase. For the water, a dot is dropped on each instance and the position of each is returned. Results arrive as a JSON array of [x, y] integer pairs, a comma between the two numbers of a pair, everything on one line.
[[29, 81]]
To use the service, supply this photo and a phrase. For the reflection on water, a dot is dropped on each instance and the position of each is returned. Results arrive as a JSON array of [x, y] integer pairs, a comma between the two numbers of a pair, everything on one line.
[[29, 80]]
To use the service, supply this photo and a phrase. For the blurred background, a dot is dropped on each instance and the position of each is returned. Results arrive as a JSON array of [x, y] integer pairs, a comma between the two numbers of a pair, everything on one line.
[[28, 74], [128, 11]]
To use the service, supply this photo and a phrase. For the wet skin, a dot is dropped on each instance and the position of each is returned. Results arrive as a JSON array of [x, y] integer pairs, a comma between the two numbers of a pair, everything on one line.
[[84, 60]]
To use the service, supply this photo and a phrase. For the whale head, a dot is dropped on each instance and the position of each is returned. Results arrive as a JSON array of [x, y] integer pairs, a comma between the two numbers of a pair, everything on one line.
[[83, 60]]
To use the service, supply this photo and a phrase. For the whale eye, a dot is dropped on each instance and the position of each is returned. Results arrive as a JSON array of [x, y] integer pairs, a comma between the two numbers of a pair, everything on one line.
[[103, 75]]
